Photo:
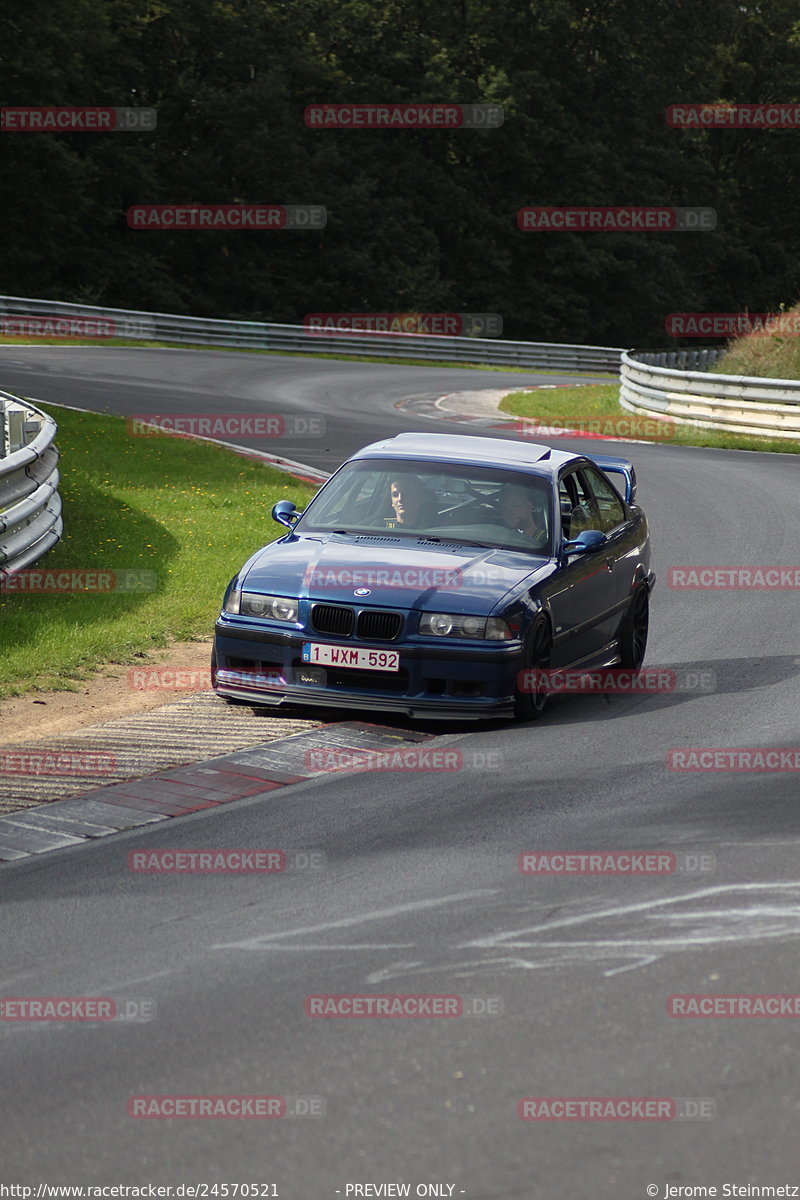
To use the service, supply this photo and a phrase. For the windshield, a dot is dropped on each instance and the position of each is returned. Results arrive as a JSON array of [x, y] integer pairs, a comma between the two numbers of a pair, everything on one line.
[[449, 502]]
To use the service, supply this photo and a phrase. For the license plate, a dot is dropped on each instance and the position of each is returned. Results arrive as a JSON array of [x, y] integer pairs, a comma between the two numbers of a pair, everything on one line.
[[350, 656]]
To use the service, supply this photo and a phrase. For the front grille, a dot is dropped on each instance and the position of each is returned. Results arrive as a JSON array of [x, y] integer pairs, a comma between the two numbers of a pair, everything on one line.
[[374, 625], [332, 618]]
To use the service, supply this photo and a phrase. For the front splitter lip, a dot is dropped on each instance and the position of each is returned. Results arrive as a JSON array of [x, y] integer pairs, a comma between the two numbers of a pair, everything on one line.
[[431, 710]]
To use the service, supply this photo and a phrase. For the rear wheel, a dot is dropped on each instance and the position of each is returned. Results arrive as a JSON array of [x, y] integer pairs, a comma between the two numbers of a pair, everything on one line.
[[633, 635], [531, 696]]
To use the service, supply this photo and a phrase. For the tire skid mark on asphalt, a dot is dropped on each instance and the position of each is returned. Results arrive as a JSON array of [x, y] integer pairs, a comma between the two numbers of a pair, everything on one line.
[[633, 948], [263, 942]]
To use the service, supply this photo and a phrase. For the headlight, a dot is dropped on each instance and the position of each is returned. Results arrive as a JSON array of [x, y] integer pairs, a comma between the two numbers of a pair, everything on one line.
[[493, 629], [273, 608]]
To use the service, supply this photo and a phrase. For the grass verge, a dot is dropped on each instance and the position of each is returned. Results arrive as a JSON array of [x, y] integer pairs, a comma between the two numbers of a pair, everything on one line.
[[774, 355], [188, 511], [595, 408]]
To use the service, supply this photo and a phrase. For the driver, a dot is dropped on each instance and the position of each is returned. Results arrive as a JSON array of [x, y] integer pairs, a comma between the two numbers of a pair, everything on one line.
[[523, 511], [409, 501]]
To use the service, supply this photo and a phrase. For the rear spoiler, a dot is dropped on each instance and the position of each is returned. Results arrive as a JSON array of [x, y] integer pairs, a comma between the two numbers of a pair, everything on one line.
[[618, 466]]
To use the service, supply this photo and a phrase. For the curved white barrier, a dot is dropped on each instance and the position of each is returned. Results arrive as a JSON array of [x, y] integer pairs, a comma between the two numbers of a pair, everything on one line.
[[30, 506]]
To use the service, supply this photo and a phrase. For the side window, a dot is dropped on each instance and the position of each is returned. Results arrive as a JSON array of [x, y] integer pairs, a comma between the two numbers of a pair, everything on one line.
[[567, 493], [607, 503], [576, 503]]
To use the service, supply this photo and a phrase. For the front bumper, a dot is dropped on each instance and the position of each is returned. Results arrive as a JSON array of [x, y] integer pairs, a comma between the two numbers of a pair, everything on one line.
[[264, 667]]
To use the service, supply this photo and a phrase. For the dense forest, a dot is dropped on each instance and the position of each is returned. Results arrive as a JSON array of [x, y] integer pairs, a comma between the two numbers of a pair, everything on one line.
[[417, 220]]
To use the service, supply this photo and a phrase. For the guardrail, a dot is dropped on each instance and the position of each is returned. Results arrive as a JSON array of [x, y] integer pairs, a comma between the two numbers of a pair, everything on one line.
[[30, 506], [655, 383], [661, 383], [169, 327]]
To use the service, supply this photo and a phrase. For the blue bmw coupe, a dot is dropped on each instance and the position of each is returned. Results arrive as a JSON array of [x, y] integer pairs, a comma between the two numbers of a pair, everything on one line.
[[437, 576]]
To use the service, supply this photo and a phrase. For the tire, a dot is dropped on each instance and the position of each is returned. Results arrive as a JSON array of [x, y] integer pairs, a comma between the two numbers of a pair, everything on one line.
[[633, 633], [529, 705]]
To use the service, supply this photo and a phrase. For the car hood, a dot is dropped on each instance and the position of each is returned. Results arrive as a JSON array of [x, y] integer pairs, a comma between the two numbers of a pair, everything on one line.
[[399, 572]]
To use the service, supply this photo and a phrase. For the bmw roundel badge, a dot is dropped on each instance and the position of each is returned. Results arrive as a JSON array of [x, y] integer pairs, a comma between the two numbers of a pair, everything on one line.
[[362, 592]]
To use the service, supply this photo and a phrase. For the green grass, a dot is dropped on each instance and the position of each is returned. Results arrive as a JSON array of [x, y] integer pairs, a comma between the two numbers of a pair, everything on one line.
[[597, 409], [189, 511], [767, 356]]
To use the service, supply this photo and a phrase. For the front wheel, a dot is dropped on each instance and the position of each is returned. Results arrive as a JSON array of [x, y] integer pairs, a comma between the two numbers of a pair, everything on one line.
[[531, 694], [633, 635]]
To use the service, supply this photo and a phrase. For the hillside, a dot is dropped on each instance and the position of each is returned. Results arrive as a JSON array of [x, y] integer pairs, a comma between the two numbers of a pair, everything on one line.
[[776, 355]]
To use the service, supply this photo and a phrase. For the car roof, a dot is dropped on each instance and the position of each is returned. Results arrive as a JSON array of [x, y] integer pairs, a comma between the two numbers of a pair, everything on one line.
[[446, 447]]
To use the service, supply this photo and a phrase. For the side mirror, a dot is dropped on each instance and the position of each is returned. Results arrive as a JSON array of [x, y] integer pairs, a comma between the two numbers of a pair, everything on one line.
[[584, 543], [285, 513]]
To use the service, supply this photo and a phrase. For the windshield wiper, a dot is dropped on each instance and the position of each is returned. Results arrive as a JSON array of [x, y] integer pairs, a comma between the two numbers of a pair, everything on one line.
[[456, 541]]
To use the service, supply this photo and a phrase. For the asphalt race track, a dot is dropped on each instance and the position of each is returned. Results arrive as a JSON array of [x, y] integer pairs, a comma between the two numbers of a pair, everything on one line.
[[187, 383], [420, 891]]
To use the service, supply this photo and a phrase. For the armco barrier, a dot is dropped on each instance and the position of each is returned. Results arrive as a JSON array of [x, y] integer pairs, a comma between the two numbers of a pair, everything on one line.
[[201, 331], [655, 383], [673, 384], [30, 506]]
